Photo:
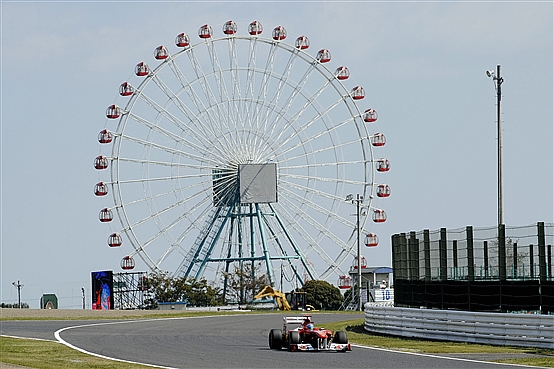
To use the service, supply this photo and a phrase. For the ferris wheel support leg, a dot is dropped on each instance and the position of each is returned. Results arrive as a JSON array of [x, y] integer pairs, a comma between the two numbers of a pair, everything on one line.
[[213, 243], [264, 246], [252, 243], [296, 249], [284, 253]]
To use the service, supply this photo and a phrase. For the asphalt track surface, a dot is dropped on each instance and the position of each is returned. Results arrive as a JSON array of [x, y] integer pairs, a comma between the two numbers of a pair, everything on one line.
[[225, 341]]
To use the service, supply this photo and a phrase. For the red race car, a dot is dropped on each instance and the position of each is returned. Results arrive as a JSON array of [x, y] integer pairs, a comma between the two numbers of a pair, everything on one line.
[[306, 337]]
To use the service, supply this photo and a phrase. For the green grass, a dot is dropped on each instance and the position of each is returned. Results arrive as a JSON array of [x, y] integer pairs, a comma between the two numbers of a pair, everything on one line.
[[52, 355], [357, 335]]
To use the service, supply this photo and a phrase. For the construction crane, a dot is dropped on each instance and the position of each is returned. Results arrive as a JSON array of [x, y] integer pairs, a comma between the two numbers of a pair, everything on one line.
[[277, 295]]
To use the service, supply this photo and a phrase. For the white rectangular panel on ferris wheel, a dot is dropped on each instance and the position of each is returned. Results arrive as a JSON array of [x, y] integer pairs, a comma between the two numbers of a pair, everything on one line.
[[258, 183]]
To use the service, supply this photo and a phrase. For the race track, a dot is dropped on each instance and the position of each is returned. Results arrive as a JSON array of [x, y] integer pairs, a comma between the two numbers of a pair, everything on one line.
[[227, 341]]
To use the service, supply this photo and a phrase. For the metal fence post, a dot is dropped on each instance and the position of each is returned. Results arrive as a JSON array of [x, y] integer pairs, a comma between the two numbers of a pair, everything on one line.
[[427, 254], [470, 256], [502, 252]]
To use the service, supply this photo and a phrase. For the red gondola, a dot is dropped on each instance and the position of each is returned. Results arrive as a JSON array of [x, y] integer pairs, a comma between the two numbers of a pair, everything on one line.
[[378, 139], [370, 115], [344, 282], [205, 31], [142, 69], [383, 190], [101, 162], [182, 40], [230, 28], [363, 263], [342, 73], [358, 93], [105, 215], [323, 56], [127, 263], [115, 240], [379, 216], [161, 53], [105, 136], [101, 189], [126, 89], [302, 43], [279, 33], [382, 165], [255, 28], [112, 112], [371, 240]]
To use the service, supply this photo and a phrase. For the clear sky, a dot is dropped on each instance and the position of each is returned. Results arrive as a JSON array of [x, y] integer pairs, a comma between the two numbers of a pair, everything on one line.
[[422, 65]]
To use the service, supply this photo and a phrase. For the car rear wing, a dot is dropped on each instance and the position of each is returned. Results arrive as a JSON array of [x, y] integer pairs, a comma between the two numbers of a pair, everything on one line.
[[295, 320]]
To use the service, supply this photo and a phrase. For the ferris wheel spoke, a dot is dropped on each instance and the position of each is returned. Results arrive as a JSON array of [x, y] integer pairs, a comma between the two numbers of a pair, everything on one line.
[[225, 112], [282, 82], [326, 131], [235, 85], [205, 149], [172, 118], [294, 94], [325, 179], [201, 108], [332, 264], [263, 91], [173, 151], [320, 209], [187, 112], [336, 147], [155, 215], [249, 85], [310, 241], [209, 96]]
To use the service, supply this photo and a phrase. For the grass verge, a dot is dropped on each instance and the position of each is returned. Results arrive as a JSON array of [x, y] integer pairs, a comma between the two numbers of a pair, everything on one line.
[[357, 335], [52, 355]]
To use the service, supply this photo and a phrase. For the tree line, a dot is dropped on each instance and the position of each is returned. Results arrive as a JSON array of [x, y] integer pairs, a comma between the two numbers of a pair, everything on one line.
[[238, 287]]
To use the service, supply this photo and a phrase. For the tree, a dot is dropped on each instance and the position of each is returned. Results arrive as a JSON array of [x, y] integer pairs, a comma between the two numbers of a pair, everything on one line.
[[195, 292], [322, 295], [243, 285]]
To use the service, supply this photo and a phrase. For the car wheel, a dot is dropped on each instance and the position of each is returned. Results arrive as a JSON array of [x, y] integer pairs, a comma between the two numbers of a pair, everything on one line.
[[275, 339], [340, 337], [294, 338]]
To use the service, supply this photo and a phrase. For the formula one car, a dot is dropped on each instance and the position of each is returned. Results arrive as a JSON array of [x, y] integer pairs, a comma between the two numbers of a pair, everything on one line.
[[306, 337]]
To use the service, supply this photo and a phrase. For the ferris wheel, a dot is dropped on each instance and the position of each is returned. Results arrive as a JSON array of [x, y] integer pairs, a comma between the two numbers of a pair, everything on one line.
[[239, 149]]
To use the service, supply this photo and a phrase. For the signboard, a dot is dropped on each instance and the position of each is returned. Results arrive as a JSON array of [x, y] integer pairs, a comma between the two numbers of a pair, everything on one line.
[[102, 290], [383, 295]]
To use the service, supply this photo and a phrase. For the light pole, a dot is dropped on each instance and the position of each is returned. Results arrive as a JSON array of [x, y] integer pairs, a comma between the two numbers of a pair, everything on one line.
[[358, 201], [18, 286], [83, 292], [498, 86]]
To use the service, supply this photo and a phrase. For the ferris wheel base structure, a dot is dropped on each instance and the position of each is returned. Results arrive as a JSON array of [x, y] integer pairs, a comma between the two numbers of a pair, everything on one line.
[[239, 152]]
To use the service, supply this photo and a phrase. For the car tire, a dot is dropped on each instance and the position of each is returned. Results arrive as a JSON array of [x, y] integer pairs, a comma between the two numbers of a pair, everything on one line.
[[275, 339], [294, 338], [340, 337]]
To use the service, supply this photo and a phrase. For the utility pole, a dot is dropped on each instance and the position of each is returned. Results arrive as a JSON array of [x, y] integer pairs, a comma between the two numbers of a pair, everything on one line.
[[359, 206], [18, 286], [498, 80], [359, 200]]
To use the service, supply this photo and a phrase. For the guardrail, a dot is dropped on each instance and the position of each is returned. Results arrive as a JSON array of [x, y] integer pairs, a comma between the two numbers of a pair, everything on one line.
[[504, 329]]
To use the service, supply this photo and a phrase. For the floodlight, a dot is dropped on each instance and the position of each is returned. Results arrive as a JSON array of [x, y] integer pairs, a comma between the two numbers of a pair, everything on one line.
[[490, 73]]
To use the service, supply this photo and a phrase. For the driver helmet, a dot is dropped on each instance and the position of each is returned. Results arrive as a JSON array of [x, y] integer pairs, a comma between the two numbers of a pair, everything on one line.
[[310, 326]]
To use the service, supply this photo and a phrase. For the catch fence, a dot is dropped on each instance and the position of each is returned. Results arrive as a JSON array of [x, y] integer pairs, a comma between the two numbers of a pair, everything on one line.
[[483, 269]]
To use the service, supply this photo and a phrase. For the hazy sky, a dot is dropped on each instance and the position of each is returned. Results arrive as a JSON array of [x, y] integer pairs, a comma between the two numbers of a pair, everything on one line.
[[422, 65]]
